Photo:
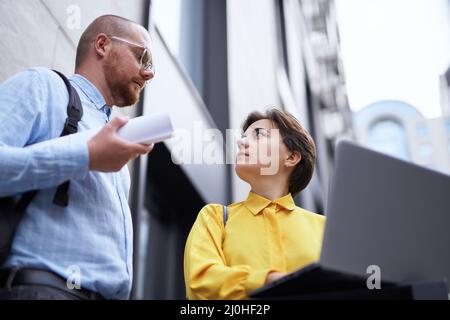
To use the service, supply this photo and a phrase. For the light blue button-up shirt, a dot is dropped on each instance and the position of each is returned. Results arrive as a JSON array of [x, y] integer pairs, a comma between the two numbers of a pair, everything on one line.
[[90, 241]]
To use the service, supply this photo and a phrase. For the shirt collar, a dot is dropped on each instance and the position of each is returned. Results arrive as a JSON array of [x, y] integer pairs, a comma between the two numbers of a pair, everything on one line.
[[91, 92], [256, 203]]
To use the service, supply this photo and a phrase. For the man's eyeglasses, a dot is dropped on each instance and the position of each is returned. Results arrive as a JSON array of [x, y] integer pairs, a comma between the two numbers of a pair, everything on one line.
[[145, 59]]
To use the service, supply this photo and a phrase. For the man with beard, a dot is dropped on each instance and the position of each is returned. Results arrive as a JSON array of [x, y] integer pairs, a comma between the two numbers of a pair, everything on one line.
[[83, 250]]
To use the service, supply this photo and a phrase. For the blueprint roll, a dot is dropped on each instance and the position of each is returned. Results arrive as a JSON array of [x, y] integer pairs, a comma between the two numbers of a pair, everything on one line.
[[147, 129]]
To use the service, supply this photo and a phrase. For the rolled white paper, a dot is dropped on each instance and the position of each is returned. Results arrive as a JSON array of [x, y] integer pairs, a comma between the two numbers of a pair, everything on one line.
[[147, 129]]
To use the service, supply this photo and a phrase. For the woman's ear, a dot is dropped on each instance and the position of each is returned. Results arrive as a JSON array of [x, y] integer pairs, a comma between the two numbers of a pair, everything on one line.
[[293, 159]]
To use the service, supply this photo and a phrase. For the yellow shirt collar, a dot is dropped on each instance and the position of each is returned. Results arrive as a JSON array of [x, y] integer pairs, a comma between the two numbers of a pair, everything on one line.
[[256, 203]]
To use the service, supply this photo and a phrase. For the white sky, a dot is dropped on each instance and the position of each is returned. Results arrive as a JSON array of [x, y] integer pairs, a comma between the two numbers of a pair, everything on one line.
[[395, 49]]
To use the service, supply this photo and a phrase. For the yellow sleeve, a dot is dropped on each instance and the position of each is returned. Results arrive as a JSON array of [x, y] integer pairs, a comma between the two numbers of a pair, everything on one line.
[[205, 271]]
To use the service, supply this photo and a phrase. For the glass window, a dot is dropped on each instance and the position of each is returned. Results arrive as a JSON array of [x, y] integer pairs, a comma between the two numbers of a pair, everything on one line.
[[422, 129], [426, 150], [142, 254], [389, 136], [447, 126], [167, 17], [181, 25]]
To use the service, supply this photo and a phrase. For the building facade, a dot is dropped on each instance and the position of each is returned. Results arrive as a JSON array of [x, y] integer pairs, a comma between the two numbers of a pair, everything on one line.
[[399, 129], [445, 93]]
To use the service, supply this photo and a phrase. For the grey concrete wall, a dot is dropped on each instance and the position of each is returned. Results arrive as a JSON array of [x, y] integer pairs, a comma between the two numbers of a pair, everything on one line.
[[45, 32], [41, 32]]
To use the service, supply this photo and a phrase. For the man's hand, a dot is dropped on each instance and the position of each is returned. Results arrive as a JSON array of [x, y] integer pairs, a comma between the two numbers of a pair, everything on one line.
[[274, 275], [109, 153]]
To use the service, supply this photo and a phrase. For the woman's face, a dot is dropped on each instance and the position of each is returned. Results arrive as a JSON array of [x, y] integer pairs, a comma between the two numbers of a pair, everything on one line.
[[261, 151]]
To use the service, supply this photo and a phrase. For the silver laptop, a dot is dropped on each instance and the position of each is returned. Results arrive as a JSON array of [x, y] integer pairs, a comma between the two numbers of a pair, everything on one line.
[[387, 213], [383, 215]]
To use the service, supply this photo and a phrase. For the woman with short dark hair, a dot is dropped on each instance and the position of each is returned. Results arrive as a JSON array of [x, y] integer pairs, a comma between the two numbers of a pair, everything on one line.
[[234, 250]]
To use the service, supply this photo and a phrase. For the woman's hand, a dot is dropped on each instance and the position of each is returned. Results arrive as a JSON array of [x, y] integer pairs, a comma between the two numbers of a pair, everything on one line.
[[274, 275]]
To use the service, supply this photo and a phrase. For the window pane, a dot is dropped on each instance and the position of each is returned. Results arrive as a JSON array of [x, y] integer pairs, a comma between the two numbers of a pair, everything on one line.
[[389, 136], [422, 130], [447, 126], [166, 15], [181, 25], [426, 150]]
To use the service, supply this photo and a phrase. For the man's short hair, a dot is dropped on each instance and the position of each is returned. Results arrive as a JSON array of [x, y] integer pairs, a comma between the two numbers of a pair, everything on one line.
[[296, 139], [108, 24]]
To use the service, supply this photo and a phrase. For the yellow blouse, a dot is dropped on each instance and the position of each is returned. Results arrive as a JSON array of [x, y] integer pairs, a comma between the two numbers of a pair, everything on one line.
[[260, 236]]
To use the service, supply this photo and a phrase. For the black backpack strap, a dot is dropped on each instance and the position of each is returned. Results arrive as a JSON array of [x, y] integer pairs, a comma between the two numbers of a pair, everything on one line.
[[24, 201], [74, 108], [12, 213], [225, 215], [74, 114]]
